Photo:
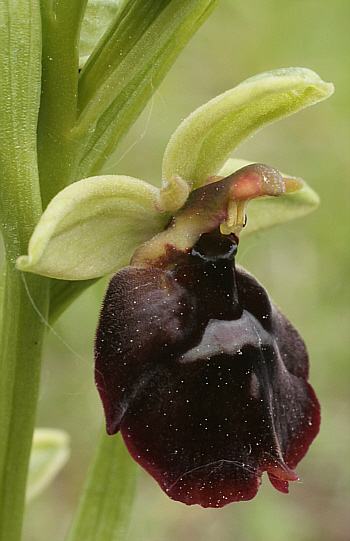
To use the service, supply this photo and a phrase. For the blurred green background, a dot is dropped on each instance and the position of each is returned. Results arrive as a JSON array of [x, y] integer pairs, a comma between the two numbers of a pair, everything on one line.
[[303, 265]]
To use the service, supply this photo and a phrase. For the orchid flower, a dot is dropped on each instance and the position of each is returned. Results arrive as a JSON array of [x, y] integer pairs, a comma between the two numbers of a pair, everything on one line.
[[204, 377]]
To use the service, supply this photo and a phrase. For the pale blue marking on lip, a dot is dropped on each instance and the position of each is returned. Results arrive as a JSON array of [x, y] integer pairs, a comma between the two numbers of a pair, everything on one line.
[[228, 337]]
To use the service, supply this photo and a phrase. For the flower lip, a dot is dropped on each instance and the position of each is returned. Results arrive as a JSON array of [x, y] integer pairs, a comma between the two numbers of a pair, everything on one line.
[[205, 422]]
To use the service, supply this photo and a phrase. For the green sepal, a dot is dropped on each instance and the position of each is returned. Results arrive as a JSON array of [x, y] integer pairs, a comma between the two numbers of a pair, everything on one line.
[[266, 212], [204, 141], [271, 211], [50, 452], [92, 227]]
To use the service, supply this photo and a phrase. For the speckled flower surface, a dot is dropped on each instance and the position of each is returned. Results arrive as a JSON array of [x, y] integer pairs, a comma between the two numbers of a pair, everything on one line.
[[205, 378]]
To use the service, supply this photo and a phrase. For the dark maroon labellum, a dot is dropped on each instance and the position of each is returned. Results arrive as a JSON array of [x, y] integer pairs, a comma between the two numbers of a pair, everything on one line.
[[204, 377]]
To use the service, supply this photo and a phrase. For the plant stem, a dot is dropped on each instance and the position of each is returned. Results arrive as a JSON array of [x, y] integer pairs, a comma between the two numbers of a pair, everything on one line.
[[21, 350], [22, 329]]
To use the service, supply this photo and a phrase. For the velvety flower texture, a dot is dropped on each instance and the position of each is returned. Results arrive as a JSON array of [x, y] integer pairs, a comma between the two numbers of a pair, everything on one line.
[[203, 376], [200, 372]]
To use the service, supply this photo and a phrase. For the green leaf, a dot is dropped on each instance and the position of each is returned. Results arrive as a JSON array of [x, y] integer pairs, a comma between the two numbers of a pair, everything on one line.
[[57, 150], [266, 212], [50, 452], [126, 67], [92, 228], [105, 508], [97, 17], [204, 141]]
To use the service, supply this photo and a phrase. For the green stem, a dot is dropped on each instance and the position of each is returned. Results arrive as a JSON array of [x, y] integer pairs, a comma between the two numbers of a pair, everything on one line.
[[22, 330], [105, 507], [21, 350], [57, 150], [2, 295]]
